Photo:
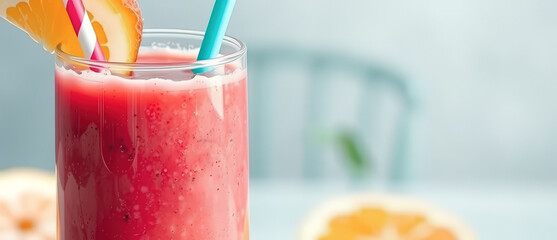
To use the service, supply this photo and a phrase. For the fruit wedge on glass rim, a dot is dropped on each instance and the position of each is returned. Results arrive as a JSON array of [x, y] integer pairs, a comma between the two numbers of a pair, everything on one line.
[[118, 24]]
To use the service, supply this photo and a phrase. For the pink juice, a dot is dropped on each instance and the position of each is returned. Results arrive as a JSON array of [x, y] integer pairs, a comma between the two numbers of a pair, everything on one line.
[[151, 157]]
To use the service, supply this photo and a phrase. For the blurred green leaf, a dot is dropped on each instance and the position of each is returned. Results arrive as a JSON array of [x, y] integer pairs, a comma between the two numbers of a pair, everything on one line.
[[353, 153]]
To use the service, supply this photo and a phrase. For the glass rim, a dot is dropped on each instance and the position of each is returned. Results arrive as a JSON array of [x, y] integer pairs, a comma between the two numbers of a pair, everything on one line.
[[220, 60]]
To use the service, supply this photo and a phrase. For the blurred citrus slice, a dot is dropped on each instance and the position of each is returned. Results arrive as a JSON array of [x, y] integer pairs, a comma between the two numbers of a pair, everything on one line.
[[27, 204], [118, 24], [382, 217]]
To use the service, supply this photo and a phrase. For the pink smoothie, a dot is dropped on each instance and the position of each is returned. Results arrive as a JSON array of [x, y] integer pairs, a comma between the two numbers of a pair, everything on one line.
[[151, 157]]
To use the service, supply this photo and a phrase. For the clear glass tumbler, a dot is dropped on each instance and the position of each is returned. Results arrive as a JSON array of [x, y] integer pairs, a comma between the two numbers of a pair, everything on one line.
[[150, 150]]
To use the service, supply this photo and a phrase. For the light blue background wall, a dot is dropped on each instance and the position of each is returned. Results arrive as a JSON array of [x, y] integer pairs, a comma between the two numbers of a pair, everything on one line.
[[486, 71]]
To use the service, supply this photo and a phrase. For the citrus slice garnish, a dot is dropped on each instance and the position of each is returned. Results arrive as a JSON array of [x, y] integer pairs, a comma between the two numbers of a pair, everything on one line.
[[382, 217], [27, 204], [118, 24]]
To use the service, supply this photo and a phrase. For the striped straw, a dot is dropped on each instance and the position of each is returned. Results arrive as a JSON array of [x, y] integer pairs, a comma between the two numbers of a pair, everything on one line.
[[84, 30]]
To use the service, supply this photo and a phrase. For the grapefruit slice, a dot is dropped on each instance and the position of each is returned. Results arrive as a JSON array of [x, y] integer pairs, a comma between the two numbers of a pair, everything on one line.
[[382, 217], [118, 24], [27, 204]]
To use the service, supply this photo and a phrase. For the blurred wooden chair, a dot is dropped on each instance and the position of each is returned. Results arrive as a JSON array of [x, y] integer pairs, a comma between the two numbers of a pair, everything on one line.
[[316, 114]]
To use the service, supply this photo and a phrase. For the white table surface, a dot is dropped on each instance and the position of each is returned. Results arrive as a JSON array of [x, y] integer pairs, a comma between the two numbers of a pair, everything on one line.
[[494, 211]]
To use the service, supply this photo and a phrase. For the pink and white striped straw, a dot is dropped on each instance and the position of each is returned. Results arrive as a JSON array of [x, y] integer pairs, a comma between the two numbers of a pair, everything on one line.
[[84, 30]]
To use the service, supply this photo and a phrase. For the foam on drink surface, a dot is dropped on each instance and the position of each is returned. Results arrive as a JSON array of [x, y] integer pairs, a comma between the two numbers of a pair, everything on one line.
[[174, 79]]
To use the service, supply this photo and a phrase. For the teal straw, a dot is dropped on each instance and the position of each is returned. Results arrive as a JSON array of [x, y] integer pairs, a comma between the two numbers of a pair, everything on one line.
[[210, 47]]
